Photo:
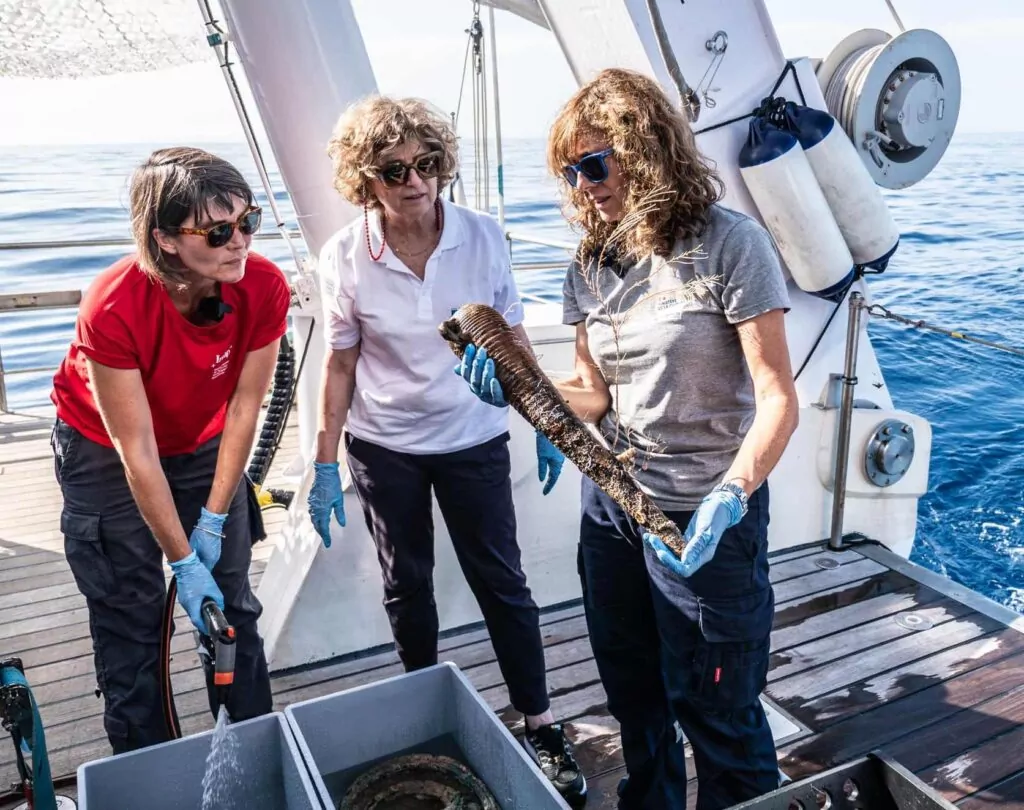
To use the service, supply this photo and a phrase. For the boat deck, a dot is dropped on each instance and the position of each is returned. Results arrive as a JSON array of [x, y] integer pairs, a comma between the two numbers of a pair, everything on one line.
[[868, 652]]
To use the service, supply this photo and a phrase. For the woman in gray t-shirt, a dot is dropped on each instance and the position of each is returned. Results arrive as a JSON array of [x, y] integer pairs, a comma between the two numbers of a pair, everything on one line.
[[681, 354]]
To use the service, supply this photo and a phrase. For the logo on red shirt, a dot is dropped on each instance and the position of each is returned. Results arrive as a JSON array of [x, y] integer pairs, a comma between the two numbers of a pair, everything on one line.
[[221, 362]]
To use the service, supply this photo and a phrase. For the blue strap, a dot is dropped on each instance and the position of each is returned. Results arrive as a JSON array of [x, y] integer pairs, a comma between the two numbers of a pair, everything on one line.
[[42, 782]]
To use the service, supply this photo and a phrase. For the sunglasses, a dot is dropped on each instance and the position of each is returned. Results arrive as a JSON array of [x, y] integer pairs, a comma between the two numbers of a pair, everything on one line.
[[220, 234], [592, 166], [396, 173]]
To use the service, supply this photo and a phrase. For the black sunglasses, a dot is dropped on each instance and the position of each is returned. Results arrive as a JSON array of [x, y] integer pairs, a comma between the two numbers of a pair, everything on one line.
[[220, 234], [592, 166], [396, 173]]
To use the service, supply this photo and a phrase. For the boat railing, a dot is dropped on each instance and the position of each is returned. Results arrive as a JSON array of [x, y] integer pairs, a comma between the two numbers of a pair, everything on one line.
[[70, 299]]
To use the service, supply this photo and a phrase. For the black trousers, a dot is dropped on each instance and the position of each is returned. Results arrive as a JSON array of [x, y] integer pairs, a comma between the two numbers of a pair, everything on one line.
[[118, 567], [474, 492], [690, 650]]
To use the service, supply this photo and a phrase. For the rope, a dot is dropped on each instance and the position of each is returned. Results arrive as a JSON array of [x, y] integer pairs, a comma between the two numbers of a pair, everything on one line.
[[218, 39], [817, 342], [896, 16], [765, 103], [462, 83], [878, 311], [481, 167], [480, 147], [847, 85], [687, 98]]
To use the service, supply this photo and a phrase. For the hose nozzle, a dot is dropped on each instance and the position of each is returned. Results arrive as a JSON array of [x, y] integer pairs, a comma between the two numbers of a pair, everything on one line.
[[219, 642]]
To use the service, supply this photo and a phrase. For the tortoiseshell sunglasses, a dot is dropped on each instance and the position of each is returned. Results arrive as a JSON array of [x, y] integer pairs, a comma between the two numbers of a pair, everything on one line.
[[220, 234]]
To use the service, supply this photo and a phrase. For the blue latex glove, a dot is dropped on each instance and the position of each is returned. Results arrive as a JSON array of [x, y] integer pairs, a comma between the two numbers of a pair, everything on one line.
[[477, 369], [325, 496], [549, 462], [719, 510], [206, 537], [195, 583]]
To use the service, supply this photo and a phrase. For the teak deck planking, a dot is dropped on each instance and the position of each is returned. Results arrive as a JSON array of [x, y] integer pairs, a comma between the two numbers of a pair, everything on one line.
[[943, 695]]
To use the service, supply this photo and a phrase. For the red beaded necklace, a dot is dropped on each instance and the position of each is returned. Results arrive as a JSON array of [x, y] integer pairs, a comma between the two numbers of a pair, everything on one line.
[[438, 216]]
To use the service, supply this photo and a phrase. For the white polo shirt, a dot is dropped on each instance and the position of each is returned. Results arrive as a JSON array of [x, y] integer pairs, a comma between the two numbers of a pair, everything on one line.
[[407, 396]]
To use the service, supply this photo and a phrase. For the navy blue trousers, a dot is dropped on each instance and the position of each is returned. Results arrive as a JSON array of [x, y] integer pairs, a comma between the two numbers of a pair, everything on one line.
[[689, 650], [474, 493], [118, 568]]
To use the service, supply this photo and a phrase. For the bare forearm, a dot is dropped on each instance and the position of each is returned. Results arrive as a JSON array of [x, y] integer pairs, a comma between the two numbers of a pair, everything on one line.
[[764, 443], [121, 399], [235, 445], [335, 400], [152, 495], [589, 404], [243, 413]]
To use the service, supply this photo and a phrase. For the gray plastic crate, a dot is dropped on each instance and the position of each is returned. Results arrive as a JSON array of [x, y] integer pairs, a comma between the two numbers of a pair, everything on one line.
[[433, 710], [272, 775], [875, 781]]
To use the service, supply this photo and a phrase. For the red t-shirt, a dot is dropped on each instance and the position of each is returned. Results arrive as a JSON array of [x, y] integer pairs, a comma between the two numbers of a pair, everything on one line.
[[127, 320]]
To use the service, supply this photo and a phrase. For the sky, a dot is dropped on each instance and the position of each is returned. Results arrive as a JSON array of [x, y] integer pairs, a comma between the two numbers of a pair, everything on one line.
[[424, 56]]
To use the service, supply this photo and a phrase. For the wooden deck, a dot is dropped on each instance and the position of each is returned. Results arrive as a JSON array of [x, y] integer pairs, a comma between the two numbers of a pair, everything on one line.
[[868, 652]]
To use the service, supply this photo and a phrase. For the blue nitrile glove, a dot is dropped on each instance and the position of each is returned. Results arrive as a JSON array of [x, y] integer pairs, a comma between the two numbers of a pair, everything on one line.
[[206, 537], [719, 510], [477, 369], [195, 583], [325, 496], [549, 461]]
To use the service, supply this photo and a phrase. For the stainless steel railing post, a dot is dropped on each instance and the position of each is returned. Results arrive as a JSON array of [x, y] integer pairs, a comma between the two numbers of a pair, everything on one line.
[[3, 386], [849, 382]]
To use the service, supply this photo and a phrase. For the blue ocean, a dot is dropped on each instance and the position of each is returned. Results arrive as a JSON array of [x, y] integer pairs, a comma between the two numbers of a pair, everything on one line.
[[959, 265]]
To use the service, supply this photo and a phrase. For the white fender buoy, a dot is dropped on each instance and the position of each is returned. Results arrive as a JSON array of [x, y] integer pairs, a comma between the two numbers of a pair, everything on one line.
[[794, 209], [856, 202]]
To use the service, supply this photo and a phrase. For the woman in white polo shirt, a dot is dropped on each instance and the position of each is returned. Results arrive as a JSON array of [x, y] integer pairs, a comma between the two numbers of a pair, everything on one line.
[[412, 426]]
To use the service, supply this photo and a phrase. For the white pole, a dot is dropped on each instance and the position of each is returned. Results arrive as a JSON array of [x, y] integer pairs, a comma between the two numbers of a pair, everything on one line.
[[305, 64], [497, 117]]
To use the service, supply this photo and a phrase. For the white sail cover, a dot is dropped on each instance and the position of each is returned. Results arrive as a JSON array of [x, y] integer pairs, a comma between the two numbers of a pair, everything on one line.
[[67, 39], [527, 9]]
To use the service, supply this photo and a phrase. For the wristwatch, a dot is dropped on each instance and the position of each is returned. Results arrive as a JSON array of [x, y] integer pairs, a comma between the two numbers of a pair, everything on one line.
[[736, 490]]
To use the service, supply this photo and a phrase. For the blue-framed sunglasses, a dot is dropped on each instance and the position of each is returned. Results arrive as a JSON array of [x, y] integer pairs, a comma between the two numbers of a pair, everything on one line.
[[591, 166]]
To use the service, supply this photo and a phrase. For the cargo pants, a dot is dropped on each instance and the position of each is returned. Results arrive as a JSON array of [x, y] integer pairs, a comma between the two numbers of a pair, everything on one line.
[[118, 568], [692, 651]]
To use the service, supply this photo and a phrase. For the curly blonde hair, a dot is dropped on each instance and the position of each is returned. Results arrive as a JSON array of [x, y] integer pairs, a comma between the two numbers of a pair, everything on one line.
[[669, 185], [376, 124]]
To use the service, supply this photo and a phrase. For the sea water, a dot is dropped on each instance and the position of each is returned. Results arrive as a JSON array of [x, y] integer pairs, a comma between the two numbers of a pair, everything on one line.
[[958, 265]]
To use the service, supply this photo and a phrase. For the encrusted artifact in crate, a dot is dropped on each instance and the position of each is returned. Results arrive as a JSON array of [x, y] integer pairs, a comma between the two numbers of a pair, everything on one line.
[[420, 739]]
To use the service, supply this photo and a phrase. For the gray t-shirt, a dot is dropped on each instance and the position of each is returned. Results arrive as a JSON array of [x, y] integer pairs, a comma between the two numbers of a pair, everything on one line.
[[663, 335]]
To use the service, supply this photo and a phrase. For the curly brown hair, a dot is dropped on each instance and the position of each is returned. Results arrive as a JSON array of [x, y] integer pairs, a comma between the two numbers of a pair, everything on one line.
[[376, 124], [670, 186]]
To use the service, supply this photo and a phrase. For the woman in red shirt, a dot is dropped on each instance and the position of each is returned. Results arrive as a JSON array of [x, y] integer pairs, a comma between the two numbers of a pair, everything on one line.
[[157, 404]]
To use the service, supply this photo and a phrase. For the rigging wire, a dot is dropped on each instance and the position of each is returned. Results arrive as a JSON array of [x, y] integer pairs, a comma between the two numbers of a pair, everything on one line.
[[218, 40], [896, 16]]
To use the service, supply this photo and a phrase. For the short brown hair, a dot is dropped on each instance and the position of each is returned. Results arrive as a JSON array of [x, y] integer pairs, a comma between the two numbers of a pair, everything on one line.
[[376, 124], [670, 185], [170, 185]]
